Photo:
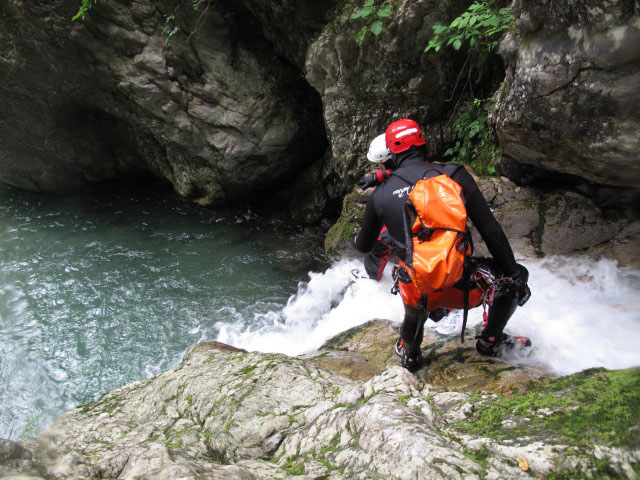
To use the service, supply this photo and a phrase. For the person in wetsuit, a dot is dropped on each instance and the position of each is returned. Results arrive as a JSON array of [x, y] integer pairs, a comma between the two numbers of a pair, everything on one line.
[[376, 260], [385, 207]]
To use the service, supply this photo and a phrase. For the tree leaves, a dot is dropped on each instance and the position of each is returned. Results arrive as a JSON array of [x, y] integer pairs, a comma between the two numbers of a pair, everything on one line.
[[372, 13], [85, 6], [478, 25]]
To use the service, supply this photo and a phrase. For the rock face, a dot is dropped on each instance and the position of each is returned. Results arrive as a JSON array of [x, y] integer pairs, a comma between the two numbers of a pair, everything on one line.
[[229, 414], [216, 113], [569, 102], [365, 87]]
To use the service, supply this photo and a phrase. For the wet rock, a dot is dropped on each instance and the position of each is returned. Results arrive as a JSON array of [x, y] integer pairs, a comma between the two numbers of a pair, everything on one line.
[[338, 242], [12, 451], [291, 26], [573, 216], [226, 413], [516, 209]]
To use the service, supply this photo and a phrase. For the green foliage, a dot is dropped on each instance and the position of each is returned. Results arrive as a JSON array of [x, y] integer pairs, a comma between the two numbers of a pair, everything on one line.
[[372, 14], [480, 25], [594, 406], [476, 144], [85, 6], [170, 28]]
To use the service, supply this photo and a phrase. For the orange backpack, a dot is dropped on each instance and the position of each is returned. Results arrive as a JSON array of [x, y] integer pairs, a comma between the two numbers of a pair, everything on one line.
[[436, 236]]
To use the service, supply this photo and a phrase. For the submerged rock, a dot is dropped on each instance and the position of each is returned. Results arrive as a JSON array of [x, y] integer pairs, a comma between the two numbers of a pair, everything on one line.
[[226, 413]]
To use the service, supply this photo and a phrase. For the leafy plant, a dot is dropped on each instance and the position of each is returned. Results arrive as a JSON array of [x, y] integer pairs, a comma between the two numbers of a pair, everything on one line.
[[372, 13], [480, 26], [476, 145], [85, 6], [171, 28]]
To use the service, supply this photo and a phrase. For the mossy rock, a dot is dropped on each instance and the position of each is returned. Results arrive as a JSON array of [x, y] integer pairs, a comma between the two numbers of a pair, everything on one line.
[[596, 406], [450, 365], [339, 236], [360, 352]]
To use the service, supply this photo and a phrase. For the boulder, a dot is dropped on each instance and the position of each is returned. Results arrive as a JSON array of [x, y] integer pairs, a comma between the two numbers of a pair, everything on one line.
[[569, 102], [230, 414]]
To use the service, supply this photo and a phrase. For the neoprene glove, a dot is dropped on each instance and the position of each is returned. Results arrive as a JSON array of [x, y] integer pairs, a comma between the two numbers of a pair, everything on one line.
[[369, 180], [374, 179], [520, 279]]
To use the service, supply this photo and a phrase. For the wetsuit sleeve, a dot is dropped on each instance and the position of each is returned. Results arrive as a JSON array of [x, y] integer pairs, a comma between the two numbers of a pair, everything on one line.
[[371, 226], [487, 225]]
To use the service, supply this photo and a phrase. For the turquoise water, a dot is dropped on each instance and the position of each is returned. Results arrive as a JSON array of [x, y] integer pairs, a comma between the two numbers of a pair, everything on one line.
[[105, 287]]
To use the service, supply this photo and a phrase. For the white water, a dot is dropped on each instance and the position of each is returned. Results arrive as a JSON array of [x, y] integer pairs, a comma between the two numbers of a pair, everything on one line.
[[582, 313]]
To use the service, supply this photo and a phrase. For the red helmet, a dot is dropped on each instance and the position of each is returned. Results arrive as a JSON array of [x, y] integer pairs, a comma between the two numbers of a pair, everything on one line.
[[402, 134]]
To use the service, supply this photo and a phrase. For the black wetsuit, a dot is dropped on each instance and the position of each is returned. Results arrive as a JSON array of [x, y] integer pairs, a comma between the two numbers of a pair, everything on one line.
[[385, 207]]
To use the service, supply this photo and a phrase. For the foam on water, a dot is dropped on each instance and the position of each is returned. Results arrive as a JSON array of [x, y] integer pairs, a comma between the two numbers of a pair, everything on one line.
[[583, 313]]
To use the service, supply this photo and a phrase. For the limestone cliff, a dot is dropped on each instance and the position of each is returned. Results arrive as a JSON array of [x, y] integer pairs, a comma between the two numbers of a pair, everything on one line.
[[345, 411]]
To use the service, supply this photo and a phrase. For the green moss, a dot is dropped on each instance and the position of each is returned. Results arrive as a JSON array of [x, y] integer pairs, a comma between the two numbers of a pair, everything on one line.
[[403, 399], [227, 426], [189, 399], [478, 456], [246, 371], [598, 468], [595, 406], [434, 407], [111, 407], [292, 467]]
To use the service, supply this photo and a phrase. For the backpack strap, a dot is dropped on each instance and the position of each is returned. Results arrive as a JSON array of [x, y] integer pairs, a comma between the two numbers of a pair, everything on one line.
[[448, 169], [465, 276]]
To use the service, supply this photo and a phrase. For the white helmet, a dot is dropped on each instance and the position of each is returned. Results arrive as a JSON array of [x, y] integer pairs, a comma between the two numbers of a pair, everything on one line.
[[378, 151]]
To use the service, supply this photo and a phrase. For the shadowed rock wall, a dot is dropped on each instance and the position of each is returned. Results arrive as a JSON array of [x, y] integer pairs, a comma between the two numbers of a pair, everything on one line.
[[216, 113]]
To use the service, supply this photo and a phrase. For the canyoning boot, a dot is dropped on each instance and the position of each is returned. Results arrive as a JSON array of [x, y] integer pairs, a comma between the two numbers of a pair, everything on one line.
[[501, 345], [439, 314], [409, 362]]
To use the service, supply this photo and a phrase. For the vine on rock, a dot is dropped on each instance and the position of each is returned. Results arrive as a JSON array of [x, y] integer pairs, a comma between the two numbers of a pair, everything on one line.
[[85, 6], [476, 144], [481, 27]]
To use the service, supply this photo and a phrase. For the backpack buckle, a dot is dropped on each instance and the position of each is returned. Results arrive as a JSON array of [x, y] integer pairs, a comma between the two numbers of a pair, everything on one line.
[[424, 235]]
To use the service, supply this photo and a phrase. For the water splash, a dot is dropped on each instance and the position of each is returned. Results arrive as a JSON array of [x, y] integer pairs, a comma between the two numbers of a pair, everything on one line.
[[583, 313]]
